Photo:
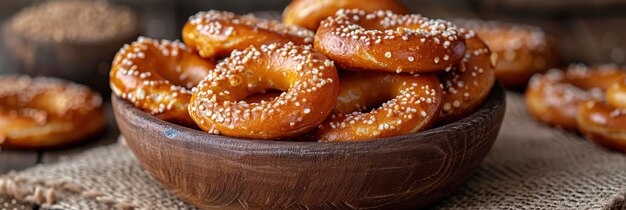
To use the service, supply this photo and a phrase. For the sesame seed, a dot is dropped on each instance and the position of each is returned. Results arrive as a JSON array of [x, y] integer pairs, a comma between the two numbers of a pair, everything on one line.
[[388, 54]]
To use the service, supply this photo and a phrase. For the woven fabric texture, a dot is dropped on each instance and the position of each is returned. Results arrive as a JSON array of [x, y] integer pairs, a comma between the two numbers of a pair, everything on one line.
[[531, 166]]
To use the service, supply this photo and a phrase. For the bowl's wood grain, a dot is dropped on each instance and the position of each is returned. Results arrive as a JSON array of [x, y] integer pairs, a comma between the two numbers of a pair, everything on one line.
[[220, 172]]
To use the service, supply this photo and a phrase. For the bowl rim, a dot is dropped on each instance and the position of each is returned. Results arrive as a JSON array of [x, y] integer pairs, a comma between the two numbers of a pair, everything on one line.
[[494, 103]]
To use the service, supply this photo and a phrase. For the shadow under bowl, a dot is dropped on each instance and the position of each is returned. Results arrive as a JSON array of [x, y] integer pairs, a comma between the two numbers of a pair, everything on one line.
[[211, 171]]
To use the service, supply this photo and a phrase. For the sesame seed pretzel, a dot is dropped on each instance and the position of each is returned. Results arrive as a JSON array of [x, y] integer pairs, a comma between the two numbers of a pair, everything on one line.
[[309, 79], [384, 41], [309, 13], [414, 104], [616, 93], [605, 121], [217, 33], [522, 50], [555, 97], [468, 84], [45, 112], [157, 77]]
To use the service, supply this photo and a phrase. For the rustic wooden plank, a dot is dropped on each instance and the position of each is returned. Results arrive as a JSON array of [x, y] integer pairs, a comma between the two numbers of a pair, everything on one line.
[[109, 136], [3, 68], [603, 39], [160, 22], [548, 8], [442, 9]]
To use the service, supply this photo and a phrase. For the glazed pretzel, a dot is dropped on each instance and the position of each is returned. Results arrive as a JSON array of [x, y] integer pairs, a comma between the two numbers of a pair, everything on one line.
[[522, 50], [157, 76], [554, 97], [217, 33], [410, 103], [605, 121], [468, 84], [309, 13], [384, 41], [46, 112], [309, 79]]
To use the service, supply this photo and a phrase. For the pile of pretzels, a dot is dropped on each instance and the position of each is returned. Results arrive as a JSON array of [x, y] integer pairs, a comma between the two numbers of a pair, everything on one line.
[[346, 71], [591, 100]]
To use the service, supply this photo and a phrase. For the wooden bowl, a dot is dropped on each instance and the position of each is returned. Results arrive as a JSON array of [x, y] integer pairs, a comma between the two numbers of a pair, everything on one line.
[[218, 172]]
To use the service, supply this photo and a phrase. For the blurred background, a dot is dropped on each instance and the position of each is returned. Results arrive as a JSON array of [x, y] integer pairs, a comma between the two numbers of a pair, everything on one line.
[[588, 31]]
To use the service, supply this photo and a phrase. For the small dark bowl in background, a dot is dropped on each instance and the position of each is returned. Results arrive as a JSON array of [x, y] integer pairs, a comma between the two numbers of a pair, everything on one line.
[[86, 63], [36, 42]]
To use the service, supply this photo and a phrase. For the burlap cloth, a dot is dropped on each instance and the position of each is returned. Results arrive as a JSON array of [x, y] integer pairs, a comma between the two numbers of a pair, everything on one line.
[[531, 166]]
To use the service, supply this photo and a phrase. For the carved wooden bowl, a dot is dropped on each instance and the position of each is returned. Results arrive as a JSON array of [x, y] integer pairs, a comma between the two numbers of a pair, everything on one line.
[[218, 172]]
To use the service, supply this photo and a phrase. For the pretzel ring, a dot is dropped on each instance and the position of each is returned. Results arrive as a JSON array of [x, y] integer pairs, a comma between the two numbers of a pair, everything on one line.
[[522, 50], [46, 112], [554, 98], [217, 33], [616, 93], [383, 41], [414, 104], [468, 84], [157, 77], [309, 79], [309, 13], [605, 122]]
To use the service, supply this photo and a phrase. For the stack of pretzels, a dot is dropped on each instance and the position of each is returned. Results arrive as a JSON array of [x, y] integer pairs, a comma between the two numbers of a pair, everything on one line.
[[368, 71]]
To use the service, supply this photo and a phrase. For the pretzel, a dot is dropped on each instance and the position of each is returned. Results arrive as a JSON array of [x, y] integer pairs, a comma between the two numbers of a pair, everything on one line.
[[45, 112], [604, 122], [410, 103], [522, 50], [309, 79], [468, 84], [157, 77], [616, 93], [309, 13], [554, 98], [217, 33], [384, 41]]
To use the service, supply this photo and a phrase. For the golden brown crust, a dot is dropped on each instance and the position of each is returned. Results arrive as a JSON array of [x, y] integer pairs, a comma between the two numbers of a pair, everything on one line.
[[468, 84], [309, 13], [522, 50], [157, 77], [383, 41], [309, 79], [217, 33], [414, 104], [46, 112], [603, 123], [616, 94], [554, 98]]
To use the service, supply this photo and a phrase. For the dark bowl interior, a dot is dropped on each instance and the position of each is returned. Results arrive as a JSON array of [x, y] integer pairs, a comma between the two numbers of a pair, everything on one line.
[[211, 171]]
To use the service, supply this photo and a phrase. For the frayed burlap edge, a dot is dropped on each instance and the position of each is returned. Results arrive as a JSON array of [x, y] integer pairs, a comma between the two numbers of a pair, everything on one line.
[[46, 193]]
